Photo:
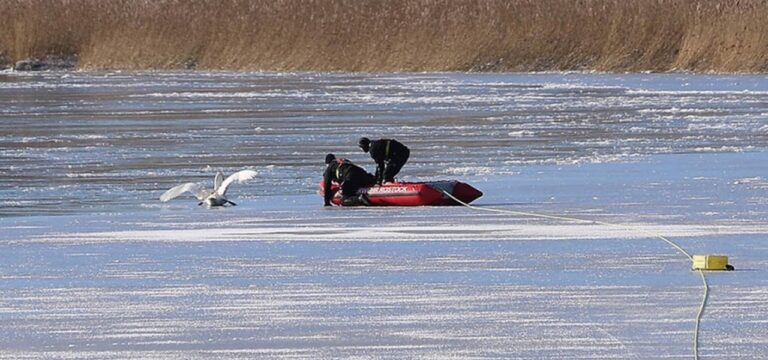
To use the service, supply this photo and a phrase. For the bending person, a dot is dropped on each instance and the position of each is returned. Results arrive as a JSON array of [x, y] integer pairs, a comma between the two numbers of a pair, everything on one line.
[[390, 156], [350, 177]]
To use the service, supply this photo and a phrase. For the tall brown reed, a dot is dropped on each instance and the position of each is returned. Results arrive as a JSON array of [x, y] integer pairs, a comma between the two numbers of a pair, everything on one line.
[[392, 35]]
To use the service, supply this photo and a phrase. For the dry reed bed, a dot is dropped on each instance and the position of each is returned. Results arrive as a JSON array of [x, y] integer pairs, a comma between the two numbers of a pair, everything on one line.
[[392, 35]]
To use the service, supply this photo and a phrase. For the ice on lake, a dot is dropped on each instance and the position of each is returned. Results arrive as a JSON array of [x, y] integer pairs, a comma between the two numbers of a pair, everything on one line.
[[92, 265]]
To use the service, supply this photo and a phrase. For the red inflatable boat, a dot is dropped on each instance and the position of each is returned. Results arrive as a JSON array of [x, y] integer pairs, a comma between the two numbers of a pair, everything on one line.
[[413, 193]]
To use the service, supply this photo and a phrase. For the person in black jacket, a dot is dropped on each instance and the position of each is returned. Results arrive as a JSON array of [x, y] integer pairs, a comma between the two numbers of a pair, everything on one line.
[[350, 176], [390, 156]]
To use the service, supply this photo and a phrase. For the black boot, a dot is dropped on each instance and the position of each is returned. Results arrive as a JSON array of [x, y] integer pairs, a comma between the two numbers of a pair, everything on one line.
[[356, 200]]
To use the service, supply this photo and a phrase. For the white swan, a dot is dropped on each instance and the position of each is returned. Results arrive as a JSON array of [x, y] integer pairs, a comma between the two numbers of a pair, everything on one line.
[[209, 197]]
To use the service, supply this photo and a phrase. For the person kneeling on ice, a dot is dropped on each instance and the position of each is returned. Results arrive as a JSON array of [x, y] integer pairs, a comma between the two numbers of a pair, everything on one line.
[[350, 177], [389, 155]]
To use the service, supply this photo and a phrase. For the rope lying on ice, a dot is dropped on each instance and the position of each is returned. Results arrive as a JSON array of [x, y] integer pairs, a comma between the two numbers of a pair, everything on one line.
[[622, 226]]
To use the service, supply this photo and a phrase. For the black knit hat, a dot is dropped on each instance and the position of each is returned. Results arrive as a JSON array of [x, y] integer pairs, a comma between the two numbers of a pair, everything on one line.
[[329, 158], [364, 143]]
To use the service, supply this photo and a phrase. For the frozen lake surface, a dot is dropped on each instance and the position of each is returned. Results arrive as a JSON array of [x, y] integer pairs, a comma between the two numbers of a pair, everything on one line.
[[92, 265]]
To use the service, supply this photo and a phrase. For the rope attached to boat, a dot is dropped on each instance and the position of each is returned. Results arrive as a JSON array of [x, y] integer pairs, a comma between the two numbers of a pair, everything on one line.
[[624, 227]]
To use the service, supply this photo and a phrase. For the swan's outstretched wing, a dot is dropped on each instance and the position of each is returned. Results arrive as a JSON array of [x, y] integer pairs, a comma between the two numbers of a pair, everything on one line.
[[238, 177], [218, 180], [195, 189]]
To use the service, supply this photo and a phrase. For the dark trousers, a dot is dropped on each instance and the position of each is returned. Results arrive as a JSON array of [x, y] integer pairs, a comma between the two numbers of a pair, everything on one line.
[[354, 181], [393, 166]]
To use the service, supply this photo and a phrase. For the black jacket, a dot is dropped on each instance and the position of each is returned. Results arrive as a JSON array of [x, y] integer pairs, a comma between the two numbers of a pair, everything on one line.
[[339, 171], [385, 150]]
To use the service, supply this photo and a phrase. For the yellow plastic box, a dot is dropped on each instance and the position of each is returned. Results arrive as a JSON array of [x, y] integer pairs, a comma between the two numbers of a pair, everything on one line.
[[710, 262]]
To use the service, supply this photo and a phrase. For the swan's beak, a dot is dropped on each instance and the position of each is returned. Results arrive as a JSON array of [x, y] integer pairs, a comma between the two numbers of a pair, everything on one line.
[[200, 204]]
